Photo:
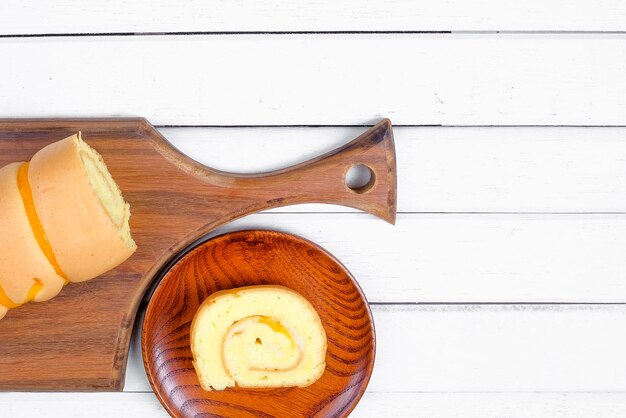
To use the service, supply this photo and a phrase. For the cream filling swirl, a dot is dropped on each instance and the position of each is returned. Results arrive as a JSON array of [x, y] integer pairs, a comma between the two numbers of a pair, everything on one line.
[[257, 336]]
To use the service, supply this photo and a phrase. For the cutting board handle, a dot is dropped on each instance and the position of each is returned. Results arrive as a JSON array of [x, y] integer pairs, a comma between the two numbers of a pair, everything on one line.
[[323, 179]]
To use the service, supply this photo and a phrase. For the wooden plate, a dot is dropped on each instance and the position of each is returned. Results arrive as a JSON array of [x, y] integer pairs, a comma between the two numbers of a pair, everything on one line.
[[250, 258]]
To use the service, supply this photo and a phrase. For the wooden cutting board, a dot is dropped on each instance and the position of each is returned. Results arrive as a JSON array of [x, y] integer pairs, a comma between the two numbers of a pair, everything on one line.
[[79, 340]]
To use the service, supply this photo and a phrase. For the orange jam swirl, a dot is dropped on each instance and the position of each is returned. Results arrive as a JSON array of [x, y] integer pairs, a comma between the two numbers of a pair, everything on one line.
[[27, 196], [8, 303]]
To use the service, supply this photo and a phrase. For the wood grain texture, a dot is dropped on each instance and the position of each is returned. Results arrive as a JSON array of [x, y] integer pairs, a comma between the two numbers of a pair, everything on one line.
[[42, 17], [79, 340], [248, 258], [414, 79]]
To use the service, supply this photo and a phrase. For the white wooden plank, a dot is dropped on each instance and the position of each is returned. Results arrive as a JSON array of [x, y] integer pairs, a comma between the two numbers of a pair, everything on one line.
[[80, 405], [447, 169], [470, 258], [486, 405], [374, 405], [40, 16], [488, 348], [320, 79]]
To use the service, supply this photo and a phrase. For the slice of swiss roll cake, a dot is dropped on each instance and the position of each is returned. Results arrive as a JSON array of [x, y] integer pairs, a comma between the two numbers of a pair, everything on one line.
[[257, 337], [63, 219]]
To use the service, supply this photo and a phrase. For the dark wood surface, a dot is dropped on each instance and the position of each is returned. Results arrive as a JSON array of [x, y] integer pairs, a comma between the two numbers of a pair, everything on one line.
[[247, 258], [79, 340]]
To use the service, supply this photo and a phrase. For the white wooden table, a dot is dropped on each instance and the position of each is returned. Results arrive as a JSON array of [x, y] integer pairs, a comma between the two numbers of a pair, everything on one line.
[[501, 291]]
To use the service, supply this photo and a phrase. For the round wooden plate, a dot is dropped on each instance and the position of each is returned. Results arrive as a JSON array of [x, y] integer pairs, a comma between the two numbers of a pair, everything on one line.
[[251, 258]]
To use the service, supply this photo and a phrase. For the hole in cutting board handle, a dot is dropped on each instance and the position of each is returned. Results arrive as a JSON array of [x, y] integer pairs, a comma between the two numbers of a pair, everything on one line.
[[360, 178]]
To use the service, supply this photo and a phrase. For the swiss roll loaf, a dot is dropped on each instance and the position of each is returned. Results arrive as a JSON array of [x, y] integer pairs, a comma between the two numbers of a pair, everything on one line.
[[63, 219]]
